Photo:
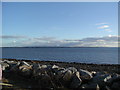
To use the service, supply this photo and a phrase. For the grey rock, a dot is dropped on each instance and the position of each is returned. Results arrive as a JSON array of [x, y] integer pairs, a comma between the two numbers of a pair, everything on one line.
[[45, 81], [24, 63], [112, 78], [60, 73], [76, 81], [100, 80], [93, 73], [107, 88], [55, 67], [44, 66], [5, 66], [85, 75], [90, 86], [73, 69], [36, 66], [116, 86], [14, 68], [25, 70], [68, 75]]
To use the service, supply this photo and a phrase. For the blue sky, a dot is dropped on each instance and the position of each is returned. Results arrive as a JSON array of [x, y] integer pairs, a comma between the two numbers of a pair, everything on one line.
[[64, 23]]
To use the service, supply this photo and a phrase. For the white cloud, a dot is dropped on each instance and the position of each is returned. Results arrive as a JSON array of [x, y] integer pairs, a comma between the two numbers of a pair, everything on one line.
[[103, 27], [14, 41], [101, 23], [107, 41]]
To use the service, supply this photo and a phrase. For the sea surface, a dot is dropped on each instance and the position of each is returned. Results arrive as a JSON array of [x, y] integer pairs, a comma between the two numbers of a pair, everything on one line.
[[82, 55]]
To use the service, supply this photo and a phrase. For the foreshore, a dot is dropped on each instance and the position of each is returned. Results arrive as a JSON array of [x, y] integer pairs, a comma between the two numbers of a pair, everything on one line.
[[28, 74]]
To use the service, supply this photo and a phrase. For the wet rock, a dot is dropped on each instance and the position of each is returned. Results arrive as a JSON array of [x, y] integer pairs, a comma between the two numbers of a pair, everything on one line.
[[14, 68], [111, 79], [93, 73], [107, 88], [44, 66], [115, 86], [90, 86], [45, 81], [100, 80], [76, 81], [65, 77], [68, 75], [25, 70], [85, 75], [55, 67], [5, 66], [108, 80], [24, 63], [36, 66], [72, 69]]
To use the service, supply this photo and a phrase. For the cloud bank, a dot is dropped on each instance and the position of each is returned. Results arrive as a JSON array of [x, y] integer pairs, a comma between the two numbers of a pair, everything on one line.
[[23, 41], [11, 37]]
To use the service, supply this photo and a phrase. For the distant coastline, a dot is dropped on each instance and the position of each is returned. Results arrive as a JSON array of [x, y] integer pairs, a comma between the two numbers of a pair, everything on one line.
[[59, 47]]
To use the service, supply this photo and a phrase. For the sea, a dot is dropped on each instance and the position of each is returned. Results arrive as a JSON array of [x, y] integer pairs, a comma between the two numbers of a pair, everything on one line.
[[96, 55]]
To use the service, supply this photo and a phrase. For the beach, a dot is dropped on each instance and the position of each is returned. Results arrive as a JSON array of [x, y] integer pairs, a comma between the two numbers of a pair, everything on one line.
[[31, 74]]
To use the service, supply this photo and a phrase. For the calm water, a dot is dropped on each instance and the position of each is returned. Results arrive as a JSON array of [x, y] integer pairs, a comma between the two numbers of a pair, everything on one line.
[[83, 55]]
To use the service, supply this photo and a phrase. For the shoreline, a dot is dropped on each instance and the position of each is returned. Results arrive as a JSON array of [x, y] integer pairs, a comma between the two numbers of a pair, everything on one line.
[[59, 75], [110, 68], [55, 61]]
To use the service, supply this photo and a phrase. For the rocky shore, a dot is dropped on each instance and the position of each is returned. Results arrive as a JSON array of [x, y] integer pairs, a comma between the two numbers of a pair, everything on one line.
[[53, 75]]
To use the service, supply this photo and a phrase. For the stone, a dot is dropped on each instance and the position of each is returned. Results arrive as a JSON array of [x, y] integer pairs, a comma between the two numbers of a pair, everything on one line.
[[24, 63], [93, 73], [45, 81], [90, 86], [76, 81], [85, 75], [44, 66], [112, 78], [14, 68], [5, 66], [55, 67], [25, 70], [73, 69], [116, 86], [68, 75], [100, 80]]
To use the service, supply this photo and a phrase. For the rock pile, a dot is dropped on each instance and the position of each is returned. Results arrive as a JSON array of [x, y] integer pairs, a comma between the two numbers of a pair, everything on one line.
[[53, 76]]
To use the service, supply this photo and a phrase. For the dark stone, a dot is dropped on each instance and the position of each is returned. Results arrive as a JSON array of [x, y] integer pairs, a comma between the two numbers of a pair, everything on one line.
[[76, 81], [85, 75], [100, 80], [115, 86], [90, 86]]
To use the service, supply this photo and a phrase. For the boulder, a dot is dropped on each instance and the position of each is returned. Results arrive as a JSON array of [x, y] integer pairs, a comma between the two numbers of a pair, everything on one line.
[[55, 67], [60, 73], [116, 86], [76, 81], [85, 75], [100, 80], [24, 63], [44, 81], [68, 75], [5, 66], [44, 66], [25, 70], [90, 86], [111, 79], [73, 69]]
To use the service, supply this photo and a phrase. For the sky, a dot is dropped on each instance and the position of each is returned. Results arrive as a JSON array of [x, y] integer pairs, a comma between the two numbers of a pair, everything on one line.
[[63, 24]]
